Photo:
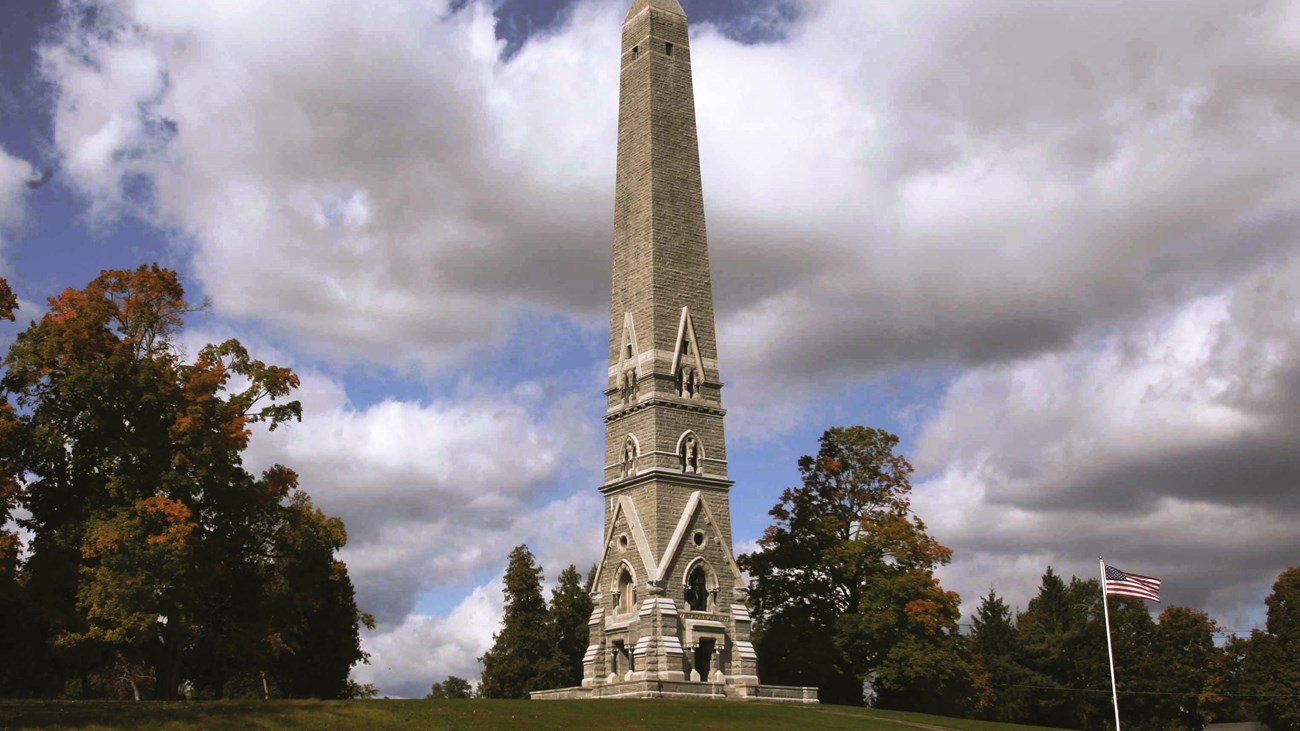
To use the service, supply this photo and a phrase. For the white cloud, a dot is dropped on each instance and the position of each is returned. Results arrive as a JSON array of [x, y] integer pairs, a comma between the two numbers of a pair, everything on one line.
[[407, 656], [14, 176], [432, 492], [1168, 445], [407, 659], [338, 167], [892, 184]]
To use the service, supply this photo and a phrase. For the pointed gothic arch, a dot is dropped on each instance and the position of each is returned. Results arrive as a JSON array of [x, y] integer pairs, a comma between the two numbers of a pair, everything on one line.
[[627, 346], [700, 585], [690, 452], [631, 451], [624, 588], [688, 361]]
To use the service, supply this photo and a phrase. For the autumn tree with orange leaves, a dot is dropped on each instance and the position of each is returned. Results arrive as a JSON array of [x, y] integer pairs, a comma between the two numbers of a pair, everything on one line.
[[152, 548], [842, 585]]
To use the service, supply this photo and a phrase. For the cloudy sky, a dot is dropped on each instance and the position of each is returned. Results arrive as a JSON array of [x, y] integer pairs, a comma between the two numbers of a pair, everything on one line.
[[1054, 246]]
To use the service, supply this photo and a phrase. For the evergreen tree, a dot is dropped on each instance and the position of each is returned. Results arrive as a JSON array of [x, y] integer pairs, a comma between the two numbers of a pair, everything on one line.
[[517, 662], [843, 589], [571, 608], [994, 645], [1063, 643]]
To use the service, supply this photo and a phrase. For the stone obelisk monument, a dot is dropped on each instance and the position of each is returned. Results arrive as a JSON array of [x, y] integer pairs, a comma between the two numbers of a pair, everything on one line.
[[670, 617]]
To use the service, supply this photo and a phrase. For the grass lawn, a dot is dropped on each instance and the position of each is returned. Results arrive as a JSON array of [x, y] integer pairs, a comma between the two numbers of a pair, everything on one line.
[[381, 715]]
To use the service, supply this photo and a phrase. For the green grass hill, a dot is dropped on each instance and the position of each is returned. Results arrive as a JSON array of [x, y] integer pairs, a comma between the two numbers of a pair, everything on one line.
[[466, 715]]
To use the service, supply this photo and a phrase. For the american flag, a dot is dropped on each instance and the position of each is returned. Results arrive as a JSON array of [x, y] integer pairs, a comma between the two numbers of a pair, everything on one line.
[[1122, 583]]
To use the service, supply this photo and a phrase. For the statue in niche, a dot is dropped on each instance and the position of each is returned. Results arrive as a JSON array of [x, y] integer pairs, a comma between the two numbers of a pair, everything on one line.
[[691, 462], [688, 382], [629, 457], [697, 591], [629, 385]]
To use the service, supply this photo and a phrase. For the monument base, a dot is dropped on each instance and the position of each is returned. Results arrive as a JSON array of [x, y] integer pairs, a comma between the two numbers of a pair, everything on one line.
[[682, 689]]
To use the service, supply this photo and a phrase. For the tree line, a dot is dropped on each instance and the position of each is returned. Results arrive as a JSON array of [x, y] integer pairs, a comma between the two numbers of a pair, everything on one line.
[[844, 598], [138, 558], [1047, 664]]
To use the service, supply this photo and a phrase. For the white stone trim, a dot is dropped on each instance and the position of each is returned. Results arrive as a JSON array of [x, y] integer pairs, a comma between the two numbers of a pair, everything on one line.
[[667, 607], [655, 570], [672, 645], [746, 650], [740, 613], [629, 338], [686, 326], [731, 560], [678, 454], [691, 504], [638, 537]]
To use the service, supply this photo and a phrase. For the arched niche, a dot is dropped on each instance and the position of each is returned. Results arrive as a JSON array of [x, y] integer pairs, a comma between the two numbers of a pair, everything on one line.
[[690, 453], [624, 588], [631, 451], [700, 585]]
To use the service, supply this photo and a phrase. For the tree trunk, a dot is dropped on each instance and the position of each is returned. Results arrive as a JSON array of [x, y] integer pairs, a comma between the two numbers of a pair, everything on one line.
[[167, 670], [266, 690]]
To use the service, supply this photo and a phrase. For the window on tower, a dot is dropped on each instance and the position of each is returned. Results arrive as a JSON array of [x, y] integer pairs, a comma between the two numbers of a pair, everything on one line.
[[668, 49], [697, 591], [636, 51], [625, 599]]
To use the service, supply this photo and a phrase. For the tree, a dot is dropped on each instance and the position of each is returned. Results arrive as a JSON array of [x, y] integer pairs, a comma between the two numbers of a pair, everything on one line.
[[452, 688], [1187, 670], [15, 627], [150, 545], [994, 647], [842, 583], [515, 665], [312, 602], [1271, 668], [1063, 644], [570, 611], [8, 301]]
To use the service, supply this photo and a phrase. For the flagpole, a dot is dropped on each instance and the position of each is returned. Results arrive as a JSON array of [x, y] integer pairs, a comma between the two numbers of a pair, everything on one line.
[[1110, 652]]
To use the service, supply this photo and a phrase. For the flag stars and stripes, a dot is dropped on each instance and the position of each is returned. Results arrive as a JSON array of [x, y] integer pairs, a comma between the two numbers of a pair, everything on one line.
[[1122, 583]]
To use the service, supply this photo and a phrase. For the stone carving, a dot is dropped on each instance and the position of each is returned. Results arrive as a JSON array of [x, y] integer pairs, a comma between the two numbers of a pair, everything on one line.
[[692, 460], [629, 457], [697, 591], [688, 382], [629, 385]]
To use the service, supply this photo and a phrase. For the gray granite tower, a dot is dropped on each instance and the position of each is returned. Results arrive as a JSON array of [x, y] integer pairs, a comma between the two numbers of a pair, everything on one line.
[[670, 598], [670, 616]]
